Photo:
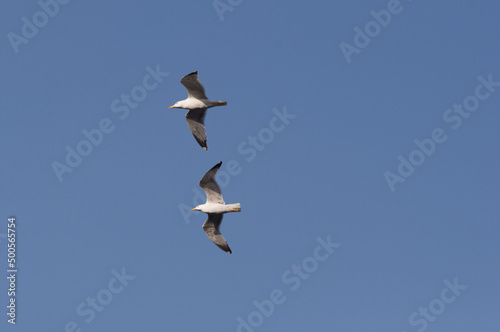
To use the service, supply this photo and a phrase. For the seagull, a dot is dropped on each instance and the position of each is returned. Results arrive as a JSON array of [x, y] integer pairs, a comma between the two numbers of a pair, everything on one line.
[[215, 208], [197, 103]]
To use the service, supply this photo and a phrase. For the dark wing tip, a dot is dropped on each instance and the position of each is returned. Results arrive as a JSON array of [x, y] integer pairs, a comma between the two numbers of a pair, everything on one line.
[[193, 73], [204, 179], [224, 247], [216, 166], [227, 249], [203, 144]]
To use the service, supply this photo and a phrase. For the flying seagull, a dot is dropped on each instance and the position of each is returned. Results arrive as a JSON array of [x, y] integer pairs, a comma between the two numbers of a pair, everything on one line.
[[197, 103], [215, 208]]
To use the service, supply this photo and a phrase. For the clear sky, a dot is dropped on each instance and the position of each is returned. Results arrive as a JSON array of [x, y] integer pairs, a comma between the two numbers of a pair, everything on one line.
[[360, 137]]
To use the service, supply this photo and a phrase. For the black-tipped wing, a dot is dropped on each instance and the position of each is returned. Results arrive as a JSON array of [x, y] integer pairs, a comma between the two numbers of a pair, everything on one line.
[[212, 228], [194, 86], [210, 186], [196, 122]]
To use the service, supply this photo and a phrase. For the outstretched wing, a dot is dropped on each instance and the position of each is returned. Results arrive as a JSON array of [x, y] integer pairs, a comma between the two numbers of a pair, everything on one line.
[[196, 122], [210, 186], [212, 228], [194, 86]]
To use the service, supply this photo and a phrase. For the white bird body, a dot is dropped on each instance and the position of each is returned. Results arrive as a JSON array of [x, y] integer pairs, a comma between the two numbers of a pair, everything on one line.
[[219, 208], [197, 103], [215, 207], [193, 103]]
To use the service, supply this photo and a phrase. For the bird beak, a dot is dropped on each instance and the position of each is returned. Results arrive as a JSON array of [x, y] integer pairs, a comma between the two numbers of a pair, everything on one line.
[[171, 106], [193, 209]]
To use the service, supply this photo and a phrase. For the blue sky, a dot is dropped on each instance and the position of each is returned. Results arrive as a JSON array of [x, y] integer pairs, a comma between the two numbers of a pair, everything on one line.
[[362, 139]]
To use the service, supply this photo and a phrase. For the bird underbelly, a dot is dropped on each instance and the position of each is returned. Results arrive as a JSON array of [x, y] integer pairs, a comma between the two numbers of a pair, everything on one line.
[[217, 208], [196, 104]]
